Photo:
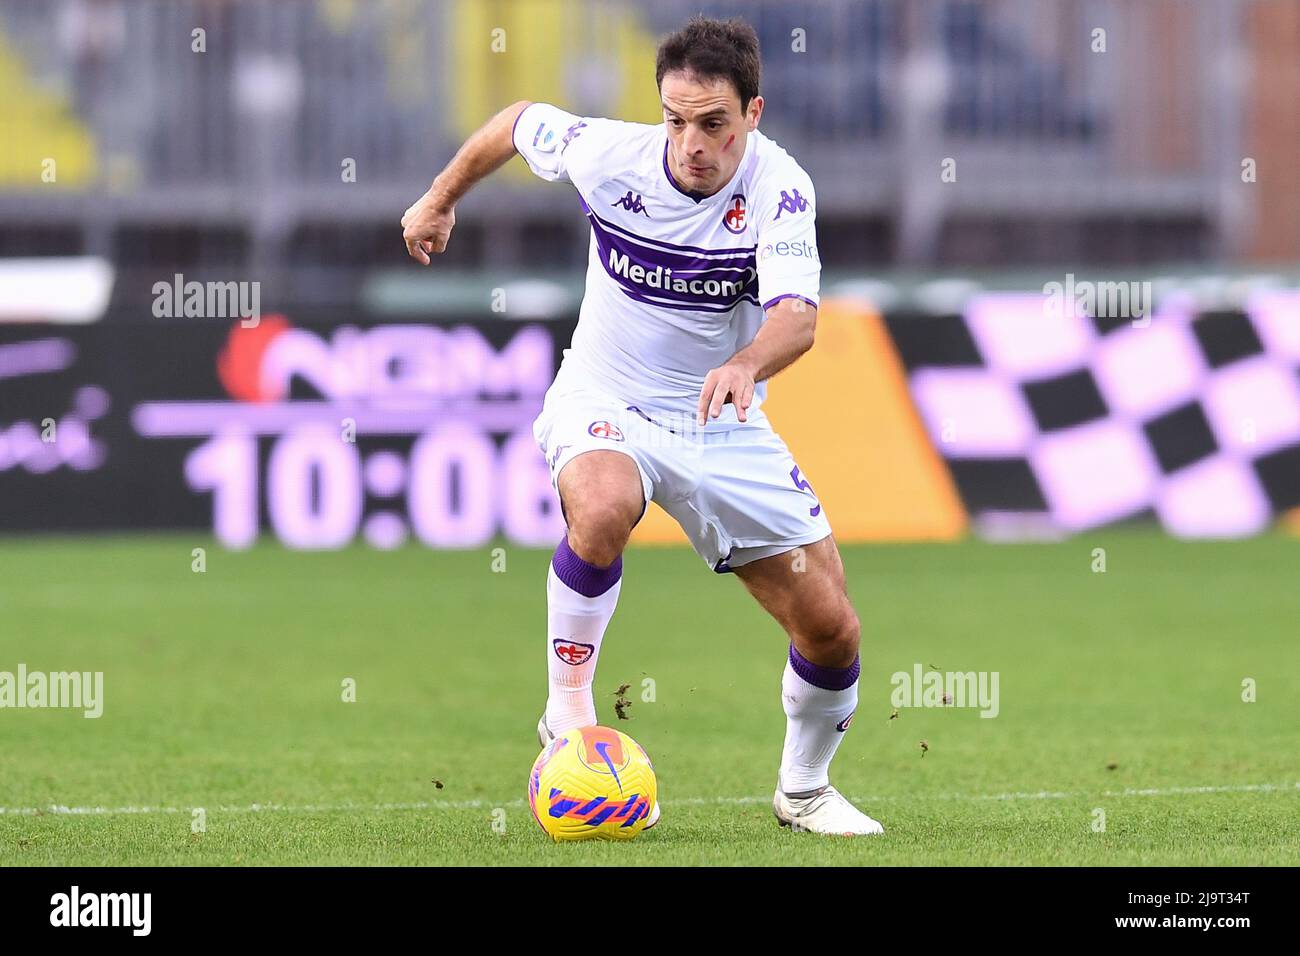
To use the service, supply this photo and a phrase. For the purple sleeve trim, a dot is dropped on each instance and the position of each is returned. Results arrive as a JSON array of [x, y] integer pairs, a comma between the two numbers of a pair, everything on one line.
[[789, 295], [516, 126]]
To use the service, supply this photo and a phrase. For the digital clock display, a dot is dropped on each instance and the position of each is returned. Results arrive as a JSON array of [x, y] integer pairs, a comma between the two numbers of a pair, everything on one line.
[[409, 430]]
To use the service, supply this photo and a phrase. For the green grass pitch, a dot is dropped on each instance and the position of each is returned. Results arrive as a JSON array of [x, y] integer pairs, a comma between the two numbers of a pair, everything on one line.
[[1120, 692]]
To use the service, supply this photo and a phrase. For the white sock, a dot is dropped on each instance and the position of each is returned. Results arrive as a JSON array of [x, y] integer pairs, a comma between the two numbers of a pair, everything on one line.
[[819, 702], [575, 626]]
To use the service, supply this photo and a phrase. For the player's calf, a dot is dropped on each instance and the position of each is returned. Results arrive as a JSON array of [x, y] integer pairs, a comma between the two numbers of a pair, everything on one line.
[[602, 500], [819, 687]]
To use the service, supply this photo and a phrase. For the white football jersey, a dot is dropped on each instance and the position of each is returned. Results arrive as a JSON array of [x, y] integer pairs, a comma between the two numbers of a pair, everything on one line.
[[676, 283]]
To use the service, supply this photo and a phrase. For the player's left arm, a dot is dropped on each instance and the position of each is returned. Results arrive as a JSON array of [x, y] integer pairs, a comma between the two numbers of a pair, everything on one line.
[[789, 281], [785, 335]]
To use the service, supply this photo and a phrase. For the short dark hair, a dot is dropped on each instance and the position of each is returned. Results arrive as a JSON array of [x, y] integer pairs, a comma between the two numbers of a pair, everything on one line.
[[714, 49]]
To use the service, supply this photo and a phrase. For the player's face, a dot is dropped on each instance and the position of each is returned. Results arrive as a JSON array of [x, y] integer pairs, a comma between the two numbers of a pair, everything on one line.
[[707, 130]]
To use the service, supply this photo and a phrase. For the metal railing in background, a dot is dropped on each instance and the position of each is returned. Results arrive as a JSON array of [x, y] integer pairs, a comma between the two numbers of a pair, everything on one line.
[[1037, 111]]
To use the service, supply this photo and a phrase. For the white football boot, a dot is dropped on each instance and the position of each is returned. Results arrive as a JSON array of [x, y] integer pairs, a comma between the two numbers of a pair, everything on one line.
[[824, 811], [544, 737]]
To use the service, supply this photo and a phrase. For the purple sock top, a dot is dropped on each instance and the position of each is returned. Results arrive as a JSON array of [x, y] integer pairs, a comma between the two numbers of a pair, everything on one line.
[[827, 678], [587, 579]]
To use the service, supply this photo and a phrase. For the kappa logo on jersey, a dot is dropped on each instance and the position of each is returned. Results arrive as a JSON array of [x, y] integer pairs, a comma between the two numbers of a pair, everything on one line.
[[843, 725], [788, 203], [734, 217], [605, 430], [571, 134], [573, 653], [631, 205]]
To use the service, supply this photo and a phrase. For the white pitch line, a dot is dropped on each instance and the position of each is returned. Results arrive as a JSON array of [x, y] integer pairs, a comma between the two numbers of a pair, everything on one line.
[[57, 810]]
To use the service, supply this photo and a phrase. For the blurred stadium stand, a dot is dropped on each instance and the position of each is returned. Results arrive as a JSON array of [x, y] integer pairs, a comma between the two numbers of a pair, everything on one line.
[[228, 166], [231, 159]]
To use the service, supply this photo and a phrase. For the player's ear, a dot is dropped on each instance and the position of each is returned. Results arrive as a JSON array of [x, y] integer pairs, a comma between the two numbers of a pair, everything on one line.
[[755, 111]]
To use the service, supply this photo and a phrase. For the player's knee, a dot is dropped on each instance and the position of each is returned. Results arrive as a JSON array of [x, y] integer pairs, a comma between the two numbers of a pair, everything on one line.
[[836, 635], [850, 629], [598, 530]]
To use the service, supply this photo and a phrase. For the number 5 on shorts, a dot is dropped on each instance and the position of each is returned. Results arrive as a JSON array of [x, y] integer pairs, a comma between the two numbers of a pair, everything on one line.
[[803, 485]]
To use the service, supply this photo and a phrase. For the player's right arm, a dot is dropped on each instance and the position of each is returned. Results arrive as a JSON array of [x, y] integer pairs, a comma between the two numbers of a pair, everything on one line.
[[427, 224], [544, 135]]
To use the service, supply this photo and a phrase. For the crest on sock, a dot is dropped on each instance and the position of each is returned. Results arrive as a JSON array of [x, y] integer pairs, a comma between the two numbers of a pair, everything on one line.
[[574, 653]]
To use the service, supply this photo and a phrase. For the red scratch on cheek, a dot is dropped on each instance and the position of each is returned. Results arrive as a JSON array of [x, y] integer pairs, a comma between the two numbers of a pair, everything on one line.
[[729, 142]]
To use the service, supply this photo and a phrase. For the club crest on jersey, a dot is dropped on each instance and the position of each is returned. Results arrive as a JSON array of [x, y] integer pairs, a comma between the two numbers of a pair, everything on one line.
[[843, 725], [734, 217], [605, 430], [574, 653], [788, 203], [631, 205]]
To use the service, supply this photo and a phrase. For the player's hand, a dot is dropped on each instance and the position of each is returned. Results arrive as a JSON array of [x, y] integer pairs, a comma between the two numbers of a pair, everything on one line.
[[427, 226], [727, 383]]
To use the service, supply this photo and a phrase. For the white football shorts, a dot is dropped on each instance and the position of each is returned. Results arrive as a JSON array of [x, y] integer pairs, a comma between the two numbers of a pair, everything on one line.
[[733, 486]]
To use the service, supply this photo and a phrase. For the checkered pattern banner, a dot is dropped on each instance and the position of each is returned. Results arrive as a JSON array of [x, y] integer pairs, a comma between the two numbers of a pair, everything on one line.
[[1191, 418]]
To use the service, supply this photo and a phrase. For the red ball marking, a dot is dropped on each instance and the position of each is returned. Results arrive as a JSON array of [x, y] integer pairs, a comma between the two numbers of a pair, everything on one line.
[[729, 142]]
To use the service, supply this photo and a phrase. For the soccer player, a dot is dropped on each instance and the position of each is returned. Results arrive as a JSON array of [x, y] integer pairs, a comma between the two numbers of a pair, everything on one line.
[[702, 283]]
